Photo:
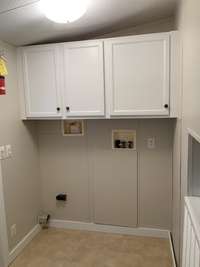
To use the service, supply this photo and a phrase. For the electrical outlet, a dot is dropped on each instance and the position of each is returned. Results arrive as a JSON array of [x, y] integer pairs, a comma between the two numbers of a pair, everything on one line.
[[13, 230], [8, 150], [151, 143]]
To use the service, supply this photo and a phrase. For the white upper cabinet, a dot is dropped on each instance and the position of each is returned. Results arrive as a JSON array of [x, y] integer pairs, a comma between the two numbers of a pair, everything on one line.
[[137, 75], [84, 79], [134, 76], [41, 81]]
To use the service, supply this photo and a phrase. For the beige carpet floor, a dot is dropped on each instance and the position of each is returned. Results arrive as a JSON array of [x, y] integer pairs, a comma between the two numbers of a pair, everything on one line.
[[69, 248]]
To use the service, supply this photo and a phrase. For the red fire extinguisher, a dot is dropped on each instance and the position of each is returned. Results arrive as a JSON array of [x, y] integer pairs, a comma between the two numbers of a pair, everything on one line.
[[2, 85]]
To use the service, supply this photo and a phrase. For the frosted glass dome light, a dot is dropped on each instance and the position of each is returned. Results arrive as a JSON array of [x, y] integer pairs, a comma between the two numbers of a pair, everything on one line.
[[63, 11]]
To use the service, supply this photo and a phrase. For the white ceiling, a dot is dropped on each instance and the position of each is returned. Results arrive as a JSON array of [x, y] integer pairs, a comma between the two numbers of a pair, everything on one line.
[[21, 21]]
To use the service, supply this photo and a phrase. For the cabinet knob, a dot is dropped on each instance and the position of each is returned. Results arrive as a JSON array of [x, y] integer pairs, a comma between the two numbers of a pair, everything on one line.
[[68, 109], [58, 109], [166, 105]]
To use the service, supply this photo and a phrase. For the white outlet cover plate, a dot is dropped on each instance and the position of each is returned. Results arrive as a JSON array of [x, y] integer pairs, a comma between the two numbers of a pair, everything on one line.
[[8, 149], [2, 152], [151, 143]]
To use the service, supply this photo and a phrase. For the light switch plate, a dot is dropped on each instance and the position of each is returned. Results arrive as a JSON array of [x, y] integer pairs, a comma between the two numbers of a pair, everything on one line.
[[151, 143], [13, 230], [8, 151], [2, 152]]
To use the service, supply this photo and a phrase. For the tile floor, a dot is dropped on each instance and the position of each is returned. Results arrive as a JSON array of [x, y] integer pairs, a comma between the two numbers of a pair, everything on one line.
[[71, 248]]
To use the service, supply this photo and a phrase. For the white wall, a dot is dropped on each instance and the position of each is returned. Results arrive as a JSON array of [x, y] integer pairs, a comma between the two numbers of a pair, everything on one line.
[[68, 164], [20, 173]]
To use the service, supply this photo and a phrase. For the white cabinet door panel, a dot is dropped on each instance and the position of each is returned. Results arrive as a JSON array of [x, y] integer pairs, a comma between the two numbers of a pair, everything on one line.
[[84, 79], [137, 75], [41, 81]]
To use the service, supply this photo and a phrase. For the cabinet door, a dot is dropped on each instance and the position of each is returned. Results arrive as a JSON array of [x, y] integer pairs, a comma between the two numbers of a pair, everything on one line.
[[41, 81], [137, 75], [84, 79]]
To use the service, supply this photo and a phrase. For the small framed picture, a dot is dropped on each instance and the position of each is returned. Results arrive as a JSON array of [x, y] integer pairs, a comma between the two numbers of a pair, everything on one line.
[[73, 128], [124, 139]]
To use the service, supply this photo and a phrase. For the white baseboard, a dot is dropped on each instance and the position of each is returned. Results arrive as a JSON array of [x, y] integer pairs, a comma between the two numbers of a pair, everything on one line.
[[109, 229], [23, 243], [172, 250]]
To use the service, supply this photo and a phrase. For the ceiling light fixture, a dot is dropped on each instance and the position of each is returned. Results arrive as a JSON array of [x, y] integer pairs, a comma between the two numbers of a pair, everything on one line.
[[63, 11]]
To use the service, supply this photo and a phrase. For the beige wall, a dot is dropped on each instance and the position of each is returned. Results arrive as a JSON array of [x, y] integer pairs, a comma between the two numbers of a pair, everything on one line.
[[176, 188], [189, 25], [113, 175], [20, 173], [163, 25], [72, 164], [155, 174]]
